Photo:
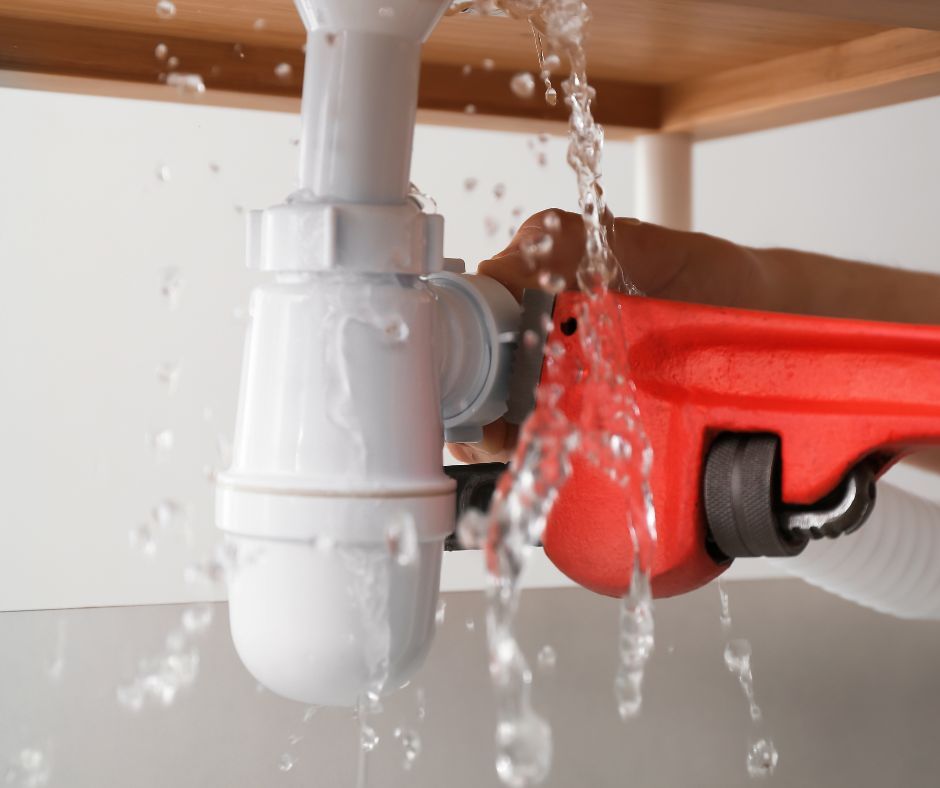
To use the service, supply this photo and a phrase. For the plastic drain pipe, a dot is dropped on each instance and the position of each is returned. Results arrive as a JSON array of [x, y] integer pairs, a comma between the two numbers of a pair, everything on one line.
[[891, 564], [358, 355]]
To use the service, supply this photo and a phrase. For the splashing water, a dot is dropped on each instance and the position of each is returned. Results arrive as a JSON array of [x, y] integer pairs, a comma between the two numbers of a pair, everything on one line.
[[546, 659], [762, 758], [608, 435], [30, 769], [166, 9], [55, 667], [410, 743], [140, 537], [186, 84], [636, 645], [724, 618], [168, 375], [523, 85], [286, 762], [171, 287], [738, 662], [168, 513], [197, 618]]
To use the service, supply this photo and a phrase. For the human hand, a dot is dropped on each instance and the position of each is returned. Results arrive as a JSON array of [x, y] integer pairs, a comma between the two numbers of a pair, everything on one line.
[[660, 262]]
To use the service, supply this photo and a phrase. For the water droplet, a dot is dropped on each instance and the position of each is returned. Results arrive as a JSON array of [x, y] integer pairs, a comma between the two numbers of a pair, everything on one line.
[[523, 85], [762, 758], [421, 702], [470, 624], [239, 51], [551, 96], [30, 769], [171, 287], [301, 196], [214, 167], [724, 617], [160, 51], [469, 184], [636, 643], [738, 656], [524, 750], [286, 762], [131, 697], [368, 738], [441, 612], [163, 173], [386, 12], [466, 70], [260, 24], [166, 9], [547, 658], [491, 225], [160, 442], [551, 221], [175, 641], [533, 251], [173, 63], [470, 109], [56, 666], [499, 190], [141, 538], [541, 159], [551, 62], [424, 201], [187, 84], [283, 71], [167, 513], [551, 282], [410, 743], [168, 375], [401, 536], [394, 330], [294, 739], [197, 618], [488, 64], [530, 339], [310, 713]]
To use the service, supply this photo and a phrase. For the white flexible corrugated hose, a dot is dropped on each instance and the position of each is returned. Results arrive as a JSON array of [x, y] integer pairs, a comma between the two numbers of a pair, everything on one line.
[[891, 564]]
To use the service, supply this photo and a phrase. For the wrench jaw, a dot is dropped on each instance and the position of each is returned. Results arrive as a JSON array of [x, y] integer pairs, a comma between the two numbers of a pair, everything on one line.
[[743, 504]]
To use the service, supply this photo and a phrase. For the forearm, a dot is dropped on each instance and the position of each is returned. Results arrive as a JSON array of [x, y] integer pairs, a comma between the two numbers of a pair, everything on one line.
[[816, 284]]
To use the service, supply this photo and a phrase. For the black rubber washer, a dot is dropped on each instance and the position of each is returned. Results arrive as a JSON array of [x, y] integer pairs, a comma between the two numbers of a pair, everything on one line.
[[742, 497]]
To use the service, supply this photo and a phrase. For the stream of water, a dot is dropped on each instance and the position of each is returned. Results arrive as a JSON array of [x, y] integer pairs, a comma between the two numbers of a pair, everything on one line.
[[548, 441]]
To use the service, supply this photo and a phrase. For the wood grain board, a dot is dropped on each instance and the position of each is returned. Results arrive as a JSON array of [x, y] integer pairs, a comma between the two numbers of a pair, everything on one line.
[[710, 67]]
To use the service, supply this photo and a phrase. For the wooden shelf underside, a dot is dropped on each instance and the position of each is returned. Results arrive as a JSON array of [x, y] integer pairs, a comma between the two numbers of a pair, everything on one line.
[[709, 67]]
